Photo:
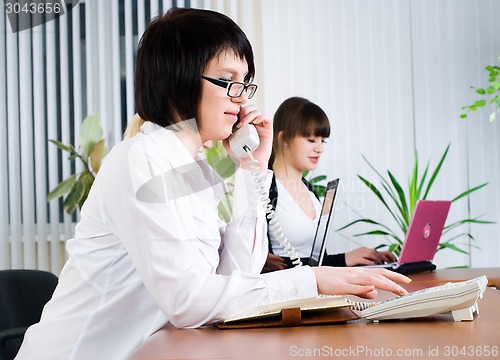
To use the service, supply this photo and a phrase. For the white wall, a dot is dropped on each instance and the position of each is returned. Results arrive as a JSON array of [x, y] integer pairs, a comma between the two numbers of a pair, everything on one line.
[[393, 75]]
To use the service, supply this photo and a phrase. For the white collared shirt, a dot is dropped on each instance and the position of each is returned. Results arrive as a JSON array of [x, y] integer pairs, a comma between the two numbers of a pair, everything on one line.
[[149, 249], [297, 226]]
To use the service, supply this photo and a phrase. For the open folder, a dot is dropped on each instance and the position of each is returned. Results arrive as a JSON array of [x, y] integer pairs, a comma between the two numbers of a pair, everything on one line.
[[310, 311]]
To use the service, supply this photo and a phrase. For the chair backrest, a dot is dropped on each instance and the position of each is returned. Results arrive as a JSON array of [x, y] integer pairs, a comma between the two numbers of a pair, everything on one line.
[[23, 294]]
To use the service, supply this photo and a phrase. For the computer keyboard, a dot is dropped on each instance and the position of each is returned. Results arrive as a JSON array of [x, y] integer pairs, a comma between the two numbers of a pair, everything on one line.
[[459, 298]]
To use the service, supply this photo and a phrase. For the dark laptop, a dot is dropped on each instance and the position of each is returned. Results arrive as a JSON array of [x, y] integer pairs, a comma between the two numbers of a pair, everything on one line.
[[325, 222]]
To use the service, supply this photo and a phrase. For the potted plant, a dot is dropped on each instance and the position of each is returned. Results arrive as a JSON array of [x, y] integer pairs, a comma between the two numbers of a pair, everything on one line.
[[489, 95], [90, 152], [400, 204]]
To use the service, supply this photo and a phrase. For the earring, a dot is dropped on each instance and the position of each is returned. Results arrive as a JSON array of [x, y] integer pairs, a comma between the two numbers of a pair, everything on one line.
[[285, 146]]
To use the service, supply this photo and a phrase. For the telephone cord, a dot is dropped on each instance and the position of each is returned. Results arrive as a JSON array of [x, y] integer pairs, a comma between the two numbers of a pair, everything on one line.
[[270, 214]]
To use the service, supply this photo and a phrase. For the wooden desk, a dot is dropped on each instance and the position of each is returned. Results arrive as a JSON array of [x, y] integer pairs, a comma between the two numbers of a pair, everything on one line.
[[445, 275], [436, 337]]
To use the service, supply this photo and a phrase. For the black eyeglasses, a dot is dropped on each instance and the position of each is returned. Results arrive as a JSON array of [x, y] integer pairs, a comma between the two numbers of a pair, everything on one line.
[[234, 88]]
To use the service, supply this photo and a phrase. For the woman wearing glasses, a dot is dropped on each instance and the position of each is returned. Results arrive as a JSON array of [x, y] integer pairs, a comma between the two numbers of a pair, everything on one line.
[[149, 249], [300, 130]]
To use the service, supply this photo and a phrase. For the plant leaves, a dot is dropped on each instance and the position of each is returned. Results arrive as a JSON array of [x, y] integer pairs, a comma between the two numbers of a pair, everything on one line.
[[435, 173], [73, 199], [225, 167], [225, 208], [86, 179], [63, 147], [445, 245], [62, 188], [90, 133], [402, 205], [97, 154], [317, 179], [467, 192]]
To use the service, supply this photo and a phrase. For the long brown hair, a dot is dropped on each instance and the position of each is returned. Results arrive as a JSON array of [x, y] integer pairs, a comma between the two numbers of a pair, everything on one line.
[[297, 116]]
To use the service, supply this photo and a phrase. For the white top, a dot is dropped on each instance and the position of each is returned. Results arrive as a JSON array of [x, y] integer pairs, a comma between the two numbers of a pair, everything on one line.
[[299, 229], [149, 249]]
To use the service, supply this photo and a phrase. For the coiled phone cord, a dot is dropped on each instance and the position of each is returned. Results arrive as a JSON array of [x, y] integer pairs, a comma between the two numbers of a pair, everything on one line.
[[270, 214]]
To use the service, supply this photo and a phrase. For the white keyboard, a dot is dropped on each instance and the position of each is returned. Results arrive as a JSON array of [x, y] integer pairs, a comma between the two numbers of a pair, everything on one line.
[[459, 298]]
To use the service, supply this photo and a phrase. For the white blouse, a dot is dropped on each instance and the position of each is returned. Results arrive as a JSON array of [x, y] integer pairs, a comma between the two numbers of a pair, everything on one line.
[[149, 249], [299, 229]]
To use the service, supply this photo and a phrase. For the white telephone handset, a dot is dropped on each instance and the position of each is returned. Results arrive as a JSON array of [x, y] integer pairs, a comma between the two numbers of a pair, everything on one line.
[[242, 142]]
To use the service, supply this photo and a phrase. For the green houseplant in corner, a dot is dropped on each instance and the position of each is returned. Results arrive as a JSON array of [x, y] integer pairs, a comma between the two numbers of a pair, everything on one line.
[[400, 204], [90, 152], [489, 94]]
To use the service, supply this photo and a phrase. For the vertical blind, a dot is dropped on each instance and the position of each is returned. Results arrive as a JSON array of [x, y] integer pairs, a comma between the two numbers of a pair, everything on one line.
[[390, 74], [52, 76]]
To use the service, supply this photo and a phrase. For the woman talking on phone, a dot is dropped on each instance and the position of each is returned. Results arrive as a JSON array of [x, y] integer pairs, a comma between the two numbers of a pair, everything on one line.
[[300, 130], [149, 249]]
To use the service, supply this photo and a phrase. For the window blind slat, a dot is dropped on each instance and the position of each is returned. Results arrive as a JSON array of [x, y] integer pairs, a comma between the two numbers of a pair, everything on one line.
[[52, 133], [26, 140], [4, 190], [13, 150], [40, 145]]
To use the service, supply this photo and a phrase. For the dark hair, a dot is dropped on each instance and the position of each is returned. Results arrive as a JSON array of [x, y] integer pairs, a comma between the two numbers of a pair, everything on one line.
[[172, 55], [297, 116]]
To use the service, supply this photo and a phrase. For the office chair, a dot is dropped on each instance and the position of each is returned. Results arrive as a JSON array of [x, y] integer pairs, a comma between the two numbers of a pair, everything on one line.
[[23, 294]]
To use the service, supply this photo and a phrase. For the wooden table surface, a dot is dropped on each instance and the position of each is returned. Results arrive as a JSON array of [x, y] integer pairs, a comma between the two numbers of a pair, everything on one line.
[[435, 337]]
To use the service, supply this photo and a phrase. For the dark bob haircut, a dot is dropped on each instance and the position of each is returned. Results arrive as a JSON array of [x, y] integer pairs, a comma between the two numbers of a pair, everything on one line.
[[172, 55], [297, 116]]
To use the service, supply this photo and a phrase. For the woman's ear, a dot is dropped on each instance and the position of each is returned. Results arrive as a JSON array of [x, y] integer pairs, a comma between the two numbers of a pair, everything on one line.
[[281, 137]]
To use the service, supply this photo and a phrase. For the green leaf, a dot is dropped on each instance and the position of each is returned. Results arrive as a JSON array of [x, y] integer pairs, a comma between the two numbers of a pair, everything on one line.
[[90, 133], [62, 188], [493, 116], [215, 152], [320, 190], [412, 184], [387, 231], [402, 205], [480, 91], [379, 232], [490, 90], [421, 184], [379, 195], [86, 179], [96, 156], [317, 179], [63, 147], [450, 246], [225, 208], [395, 248], [74, 197], [467, 192], [225, 167], [480, 103], [435, 173]]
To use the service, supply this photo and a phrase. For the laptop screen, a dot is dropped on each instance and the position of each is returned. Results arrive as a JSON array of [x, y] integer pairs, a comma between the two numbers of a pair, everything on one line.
[[324, 223]]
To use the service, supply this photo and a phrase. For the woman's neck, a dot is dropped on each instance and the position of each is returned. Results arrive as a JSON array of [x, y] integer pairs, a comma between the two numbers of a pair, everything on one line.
[[189, 136], [285, 171]]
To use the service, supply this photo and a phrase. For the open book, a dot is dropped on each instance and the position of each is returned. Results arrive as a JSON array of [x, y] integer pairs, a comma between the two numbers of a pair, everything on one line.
[[321, 309]]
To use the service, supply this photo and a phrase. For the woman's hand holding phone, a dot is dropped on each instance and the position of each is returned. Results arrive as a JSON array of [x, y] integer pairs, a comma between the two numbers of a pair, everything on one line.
[[264, 126]]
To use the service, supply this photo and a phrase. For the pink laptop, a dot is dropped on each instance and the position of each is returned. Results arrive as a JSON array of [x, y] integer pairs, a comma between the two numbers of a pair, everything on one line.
[[422, 238]]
